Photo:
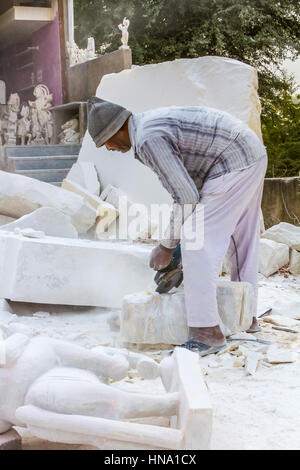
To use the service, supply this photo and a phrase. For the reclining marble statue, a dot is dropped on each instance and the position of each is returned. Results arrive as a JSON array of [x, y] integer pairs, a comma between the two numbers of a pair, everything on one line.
[[61, 392]]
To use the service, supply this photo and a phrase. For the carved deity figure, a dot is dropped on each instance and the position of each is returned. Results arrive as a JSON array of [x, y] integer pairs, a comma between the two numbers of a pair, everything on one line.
[[77, 55], [3, 124], [24, 125], [70, 134], [44, 118], [44, 375], [13, 108], [125, 35]]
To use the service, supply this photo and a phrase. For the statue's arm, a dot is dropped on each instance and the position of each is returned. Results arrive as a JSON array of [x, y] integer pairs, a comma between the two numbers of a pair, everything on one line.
[[101, 364]]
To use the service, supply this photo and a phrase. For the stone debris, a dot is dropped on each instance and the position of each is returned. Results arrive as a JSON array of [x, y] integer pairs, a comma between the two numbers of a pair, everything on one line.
[[280, 320], [287, 308], [20, 195], [106, 213], [238, 363], [29, 232], [67, 271], [151, 318], [295, 262], [46, 219], [279, 356], [85, 174], [272, 256], [284, 233], [251, 363]]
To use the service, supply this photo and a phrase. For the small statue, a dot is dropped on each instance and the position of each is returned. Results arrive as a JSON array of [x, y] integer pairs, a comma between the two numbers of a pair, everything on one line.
[[42, 104], [70, 134], [91, 48], [77, 55], [3, 124], [24, 125], [125, 35], [13, 106], [36, 131]]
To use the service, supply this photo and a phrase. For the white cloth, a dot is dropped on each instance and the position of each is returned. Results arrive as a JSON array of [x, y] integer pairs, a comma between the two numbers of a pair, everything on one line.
[[231, 206]]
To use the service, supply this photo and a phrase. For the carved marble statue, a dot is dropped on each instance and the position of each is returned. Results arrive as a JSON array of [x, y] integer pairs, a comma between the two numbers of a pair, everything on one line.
[[36, 130], [61, 392], [64, 378], [24, 125], [125, 35], [3, 124], [77, 55], [13, 106], [44, 118], [70, 134]]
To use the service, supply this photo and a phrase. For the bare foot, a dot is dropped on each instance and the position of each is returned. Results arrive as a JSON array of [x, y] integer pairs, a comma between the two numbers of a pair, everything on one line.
[[254, 326], [212, 336]]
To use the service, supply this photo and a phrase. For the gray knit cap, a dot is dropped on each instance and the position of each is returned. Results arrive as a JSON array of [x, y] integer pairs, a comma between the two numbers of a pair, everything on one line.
[[104, 119]]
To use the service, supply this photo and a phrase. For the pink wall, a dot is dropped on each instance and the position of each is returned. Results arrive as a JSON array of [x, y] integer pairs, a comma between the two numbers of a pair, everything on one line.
[[47, 60], [46, 64]]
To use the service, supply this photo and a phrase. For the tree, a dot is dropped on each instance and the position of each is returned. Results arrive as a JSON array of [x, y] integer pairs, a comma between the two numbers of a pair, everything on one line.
[[262, 33]]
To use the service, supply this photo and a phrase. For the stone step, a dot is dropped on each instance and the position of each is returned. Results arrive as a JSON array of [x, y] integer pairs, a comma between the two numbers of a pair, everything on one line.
[[41, 150], [48, 176], [41, 162]]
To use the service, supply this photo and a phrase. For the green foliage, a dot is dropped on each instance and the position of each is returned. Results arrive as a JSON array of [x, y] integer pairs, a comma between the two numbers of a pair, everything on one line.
[[261, 33]]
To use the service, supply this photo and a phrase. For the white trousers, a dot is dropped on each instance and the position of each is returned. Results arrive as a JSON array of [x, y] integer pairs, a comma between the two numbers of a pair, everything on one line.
[[230, 205]]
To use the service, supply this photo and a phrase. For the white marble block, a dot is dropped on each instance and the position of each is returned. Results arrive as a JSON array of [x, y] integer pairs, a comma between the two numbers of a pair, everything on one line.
[[71, 272], [284, 233], [85, 174], [217, 82], [272, 256], [148, 318], [134, 218], [20, 195], [295, 262], [51, 221], [106, 213]]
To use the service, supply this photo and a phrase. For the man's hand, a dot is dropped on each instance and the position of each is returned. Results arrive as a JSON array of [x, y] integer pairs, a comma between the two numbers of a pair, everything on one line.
[[160, 257]]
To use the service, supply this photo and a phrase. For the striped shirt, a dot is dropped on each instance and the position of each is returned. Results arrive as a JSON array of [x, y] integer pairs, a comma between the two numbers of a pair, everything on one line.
[[185, 146]]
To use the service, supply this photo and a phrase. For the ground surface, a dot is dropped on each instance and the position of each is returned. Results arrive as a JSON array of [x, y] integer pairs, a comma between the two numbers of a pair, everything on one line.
[[250, 412]]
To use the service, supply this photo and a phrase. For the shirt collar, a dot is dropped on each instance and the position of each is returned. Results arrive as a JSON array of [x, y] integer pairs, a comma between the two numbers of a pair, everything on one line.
[[132, 126]]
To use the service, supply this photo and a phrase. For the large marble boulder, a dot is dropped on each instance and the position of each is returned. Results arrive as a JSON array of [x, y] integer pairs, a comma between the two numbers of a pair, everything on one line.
[[295, 262], [272, 256], [20, 195], [149, 318], [284, 233], [216, 82]]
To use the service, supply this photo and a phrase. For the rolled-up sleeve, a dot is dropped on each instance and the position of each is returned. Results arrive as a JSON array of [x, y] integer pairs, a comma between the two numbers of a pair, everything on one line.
[[162, 155]]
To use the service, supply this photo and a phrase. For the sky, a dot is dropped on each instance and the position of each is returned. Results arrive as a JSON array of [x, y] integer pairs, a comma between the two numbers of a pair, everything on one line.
[[294, 67]]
